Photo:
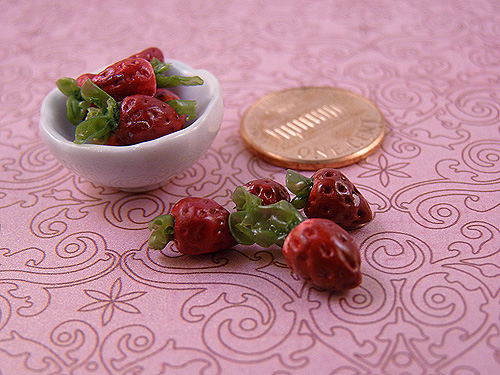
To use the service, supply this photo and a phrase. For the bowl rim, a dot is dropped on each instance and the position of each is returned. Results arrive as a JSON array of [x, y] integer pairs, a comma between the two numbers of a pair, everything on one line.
[[214, 94]]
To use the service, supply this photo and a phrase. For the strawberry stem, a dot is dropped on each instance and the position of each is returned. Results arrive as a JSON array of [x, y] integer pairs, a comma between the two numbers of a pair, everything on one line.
[[162, 80], [101, 120], [184, 107], [162, 228], [76, 106], [264, 225], [299, 185]]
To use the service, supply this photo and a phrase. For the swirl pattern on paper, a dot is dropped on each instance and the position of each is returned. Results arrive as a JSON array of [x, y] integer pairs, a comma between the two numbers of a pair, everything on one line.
[[81, 293]]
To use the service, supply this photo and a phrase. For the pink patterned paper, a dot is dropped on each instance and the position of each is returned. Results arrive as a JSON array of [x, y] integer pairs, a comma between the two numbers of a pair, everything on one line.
[[80, 293]]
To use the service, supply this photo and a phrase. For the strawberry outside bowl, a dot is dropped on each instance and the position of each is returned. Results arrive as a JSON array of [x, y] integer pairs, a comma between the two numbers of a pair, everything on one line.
[[144, 166]]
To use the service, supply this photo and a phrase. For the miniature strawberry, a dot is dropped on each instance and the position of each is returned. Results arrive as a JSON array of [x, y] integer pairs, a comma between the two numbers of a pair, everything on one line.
[[329, 194], [323, 253], [127, 77], [121, 105], [268, 190], [150, 54], [82, 78], [113, 140], [195, 225], [143, 118], [165, 95]]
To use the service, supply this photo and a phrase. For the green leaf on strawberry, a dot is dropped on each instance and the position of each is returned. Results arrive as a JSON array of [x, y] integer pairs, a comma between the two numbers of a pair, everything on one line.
[[102, 119], [162, 228], [253, 222], [68, 86], [160, 67], [162, 80], [175, 80], [184, 107], [299, 185], [76, 109], [76, 106]]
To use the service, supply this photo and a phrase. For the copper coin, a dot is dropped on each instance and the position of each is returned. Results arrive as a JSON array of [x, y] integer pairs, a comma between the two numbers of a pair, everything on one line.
[[310, 128]]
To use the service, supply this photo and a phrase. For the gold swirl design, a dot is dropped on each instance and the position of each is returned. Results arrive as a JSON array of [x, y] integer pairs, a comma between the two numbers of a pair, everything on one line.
[[475, 105], [14, 73], [79, 340], [204, 178], [134, 211], [395, 253], [36, 164], [50, 222], [80, 256], [369, 303], [434, 205], [5, 311], [484, 157], [403, 48], [371, 72], [435, 300], [401, 148], [16, 98], [229, 297], [400, 95], [137, 349], [76, 245], [431, 65], [246, 329]]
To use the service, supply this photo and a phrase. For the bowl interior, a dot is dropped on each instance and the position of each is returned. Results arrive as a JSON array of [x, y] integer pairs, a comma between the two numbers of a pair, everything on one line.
[[203, 94]]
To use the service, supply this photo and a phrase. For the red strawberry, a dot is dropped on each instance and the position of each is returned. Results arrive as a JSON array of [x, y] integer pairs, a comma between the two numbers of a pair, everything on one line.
[[113, 140], [81, 79], [196, 225], [323, 253], [268, 190], [143, 118], [336, 198], [329, 194], [201, 226], [150, 53], [127, 77], [165, 95]]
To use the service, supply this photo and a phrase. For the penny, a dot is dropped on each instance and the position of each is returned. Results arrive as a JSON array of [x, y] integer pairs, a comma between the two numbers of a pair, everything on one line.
[[309, 128]]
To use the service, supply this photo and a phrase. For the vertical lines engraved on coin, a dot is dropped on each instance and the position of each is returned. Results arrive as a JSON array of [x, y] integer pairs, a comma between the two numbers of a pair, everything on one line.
[[301, 121], [281, 133], [290, 131], [272, 134], [297, 127], [313, 118]]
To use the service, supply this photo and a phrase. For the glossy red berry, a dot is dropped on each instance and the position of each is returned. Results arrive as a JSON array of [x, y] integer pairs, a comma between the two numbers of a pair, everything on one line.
[[143, 118], [333, 196], [81, 79], [127, 77], [268, 190], [201, 226], [324, 254], [150, 53], [165, 95]]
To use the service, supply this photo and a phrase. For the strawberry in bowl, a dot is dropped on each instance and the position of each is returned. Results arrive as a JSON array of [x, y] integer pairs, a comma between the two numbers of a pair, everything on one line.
[[80, 125]]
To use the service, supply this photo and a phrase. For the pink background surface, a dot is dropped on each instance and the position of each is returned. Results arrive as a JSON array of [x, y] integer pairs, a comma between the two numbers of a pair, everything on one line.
[[80, 293]]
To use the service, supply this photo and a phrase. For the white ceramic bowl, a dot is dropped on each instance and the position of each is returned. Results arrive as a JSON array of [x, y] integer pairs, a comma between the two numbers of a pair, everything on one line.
[[143, 166]]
